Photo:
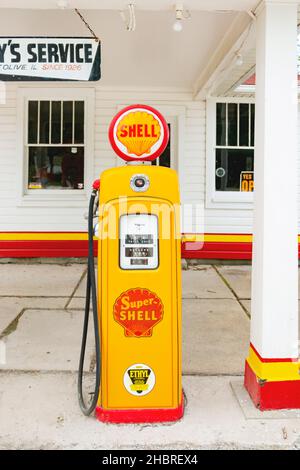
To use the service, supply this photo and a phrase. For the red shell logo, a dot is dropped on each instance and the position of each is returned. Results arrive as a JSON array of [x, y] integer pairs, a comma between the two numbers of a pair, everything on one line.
[[138, 311]]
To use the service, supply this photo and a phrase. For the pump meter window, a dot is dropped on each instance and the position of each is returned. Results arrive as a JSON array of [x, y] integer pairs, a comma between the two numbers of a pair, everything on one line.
[[138, 241]]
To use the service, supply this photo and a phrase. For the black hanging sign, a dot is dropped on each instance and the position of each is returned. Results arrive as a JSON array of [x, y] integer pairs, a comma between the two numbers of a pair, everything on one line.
[[47, 58]]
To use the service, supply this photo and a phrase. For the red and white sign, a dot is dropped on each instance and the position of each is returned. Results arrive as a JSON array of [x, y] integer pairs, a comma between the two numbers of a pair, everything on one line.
[[138, 311], [139, 132]]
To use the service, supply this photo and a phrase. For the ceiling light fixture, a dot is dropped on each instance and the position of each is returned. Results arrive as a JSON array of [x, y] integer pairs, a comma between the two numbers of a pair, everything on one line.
[[62, 4], [180, 15], [131, 23], [239, 59]]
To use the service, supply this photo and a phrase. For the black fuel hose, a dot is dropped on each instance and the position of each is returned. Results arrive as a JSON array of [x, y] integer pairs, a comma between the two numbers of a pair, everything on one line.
[[90, 292]]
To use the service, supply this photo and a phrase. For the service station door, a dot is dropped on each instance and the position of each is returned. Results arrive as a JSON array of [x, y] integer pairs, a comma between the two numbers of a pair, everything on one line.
[[139, 241]]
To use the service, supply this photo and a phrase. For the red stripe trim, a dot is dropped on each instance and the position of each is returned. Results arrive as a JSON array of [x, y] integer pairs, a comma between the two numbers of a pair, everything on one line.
[[272, 395], [272, 359], [44, 248], [39, 231], [215, 250], [78, 248], [159, 415]]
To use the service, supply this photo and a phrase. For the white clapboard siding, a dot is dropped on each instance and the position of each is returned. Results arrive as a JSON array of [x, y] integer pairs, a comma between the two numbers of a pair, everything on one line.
[[298, 167], [59, 216]]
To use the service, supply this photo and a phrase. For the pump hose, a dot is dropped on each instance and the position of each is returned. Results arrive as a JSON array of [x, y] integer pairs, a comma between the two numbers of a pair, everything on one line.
[[90, 289]]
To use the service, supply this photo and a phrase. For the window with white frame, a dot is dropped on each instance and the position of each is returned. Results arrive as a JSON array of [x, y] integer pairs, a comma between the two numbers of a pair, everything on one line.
[[55, 144], [234, 145]]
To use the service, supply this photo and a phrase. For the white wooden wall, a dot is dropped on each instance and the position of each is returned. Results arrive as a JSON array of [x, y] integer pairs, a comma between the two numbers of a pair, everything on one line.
[[190, 147]]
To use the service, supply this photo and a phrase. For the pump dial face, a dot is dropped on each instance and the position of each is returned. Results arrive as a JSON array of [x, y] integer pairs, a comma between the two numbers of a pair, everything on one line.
[[138, 241], [139, 183]]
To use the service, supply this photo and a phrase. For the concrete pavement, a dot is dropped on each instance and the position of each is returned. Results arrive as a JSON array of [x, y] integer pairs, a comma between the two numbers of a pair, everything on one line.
[[41, 312]]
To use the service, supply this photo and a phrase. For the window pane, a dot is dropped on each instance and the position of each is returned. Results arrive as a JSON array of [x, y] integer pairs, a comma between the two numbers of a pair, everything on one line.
[[56, 122], [229, 165], [221, 124], [252, 124], [32, 122], [44, 122], [79, 122], [165, 157], [68, 122], [232, 124], [56, 168], [244, 125]]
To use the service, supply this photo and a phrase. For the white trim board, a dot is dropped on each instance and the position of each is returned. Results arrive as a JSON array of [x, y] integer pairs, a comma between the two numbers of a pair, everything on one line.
[[218, 199], [53, 198]]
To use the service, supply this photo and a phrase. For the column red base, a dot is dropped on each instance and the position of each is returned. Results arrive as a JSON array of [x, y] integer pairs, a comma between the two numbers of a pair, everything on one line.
[[151, 415], [272, 395]]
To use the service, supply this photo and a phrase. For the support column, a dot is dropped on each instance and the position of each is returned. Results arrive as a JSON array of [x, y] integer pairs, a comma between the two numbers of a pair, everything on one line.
[[272, 367]]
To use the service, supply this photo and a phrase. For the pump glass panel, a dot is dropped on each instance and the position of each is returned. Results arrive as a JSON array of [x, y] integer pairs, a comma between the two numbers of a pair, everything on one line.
[[138, 241]]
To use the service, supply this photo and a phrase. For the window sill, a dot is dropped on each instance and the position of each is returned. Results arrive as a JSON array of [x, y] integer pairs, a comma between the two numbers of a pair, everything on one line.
[[230, 200], [40, 199]]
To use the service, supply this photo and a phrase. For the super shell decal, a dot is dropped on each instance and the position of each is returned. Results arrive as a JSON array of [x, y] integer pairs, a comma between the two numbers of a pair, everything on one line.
[[139, 379], [138, 132], [138, 311]]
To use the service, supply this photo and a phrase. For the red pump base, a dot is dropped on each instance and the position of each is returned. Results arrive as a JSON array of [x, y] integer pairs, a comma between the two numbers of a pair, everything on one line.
[[151, 415]]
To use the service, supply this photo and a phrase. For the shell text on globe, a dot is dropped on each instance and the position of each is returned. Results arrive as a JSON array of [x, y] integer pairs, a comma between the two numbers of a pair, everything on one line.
[[138, 131]]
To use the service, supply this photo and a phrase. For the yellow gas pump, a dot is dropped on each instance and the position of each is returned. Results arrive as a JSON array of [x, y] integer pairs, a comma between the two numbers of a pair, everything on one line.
[[139, 278]]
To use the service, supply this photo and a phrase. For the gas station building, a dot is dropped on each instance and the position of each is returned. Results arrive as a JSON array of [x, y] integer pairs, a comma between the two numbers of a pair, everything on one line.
[[227, 86], [193, 77]]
